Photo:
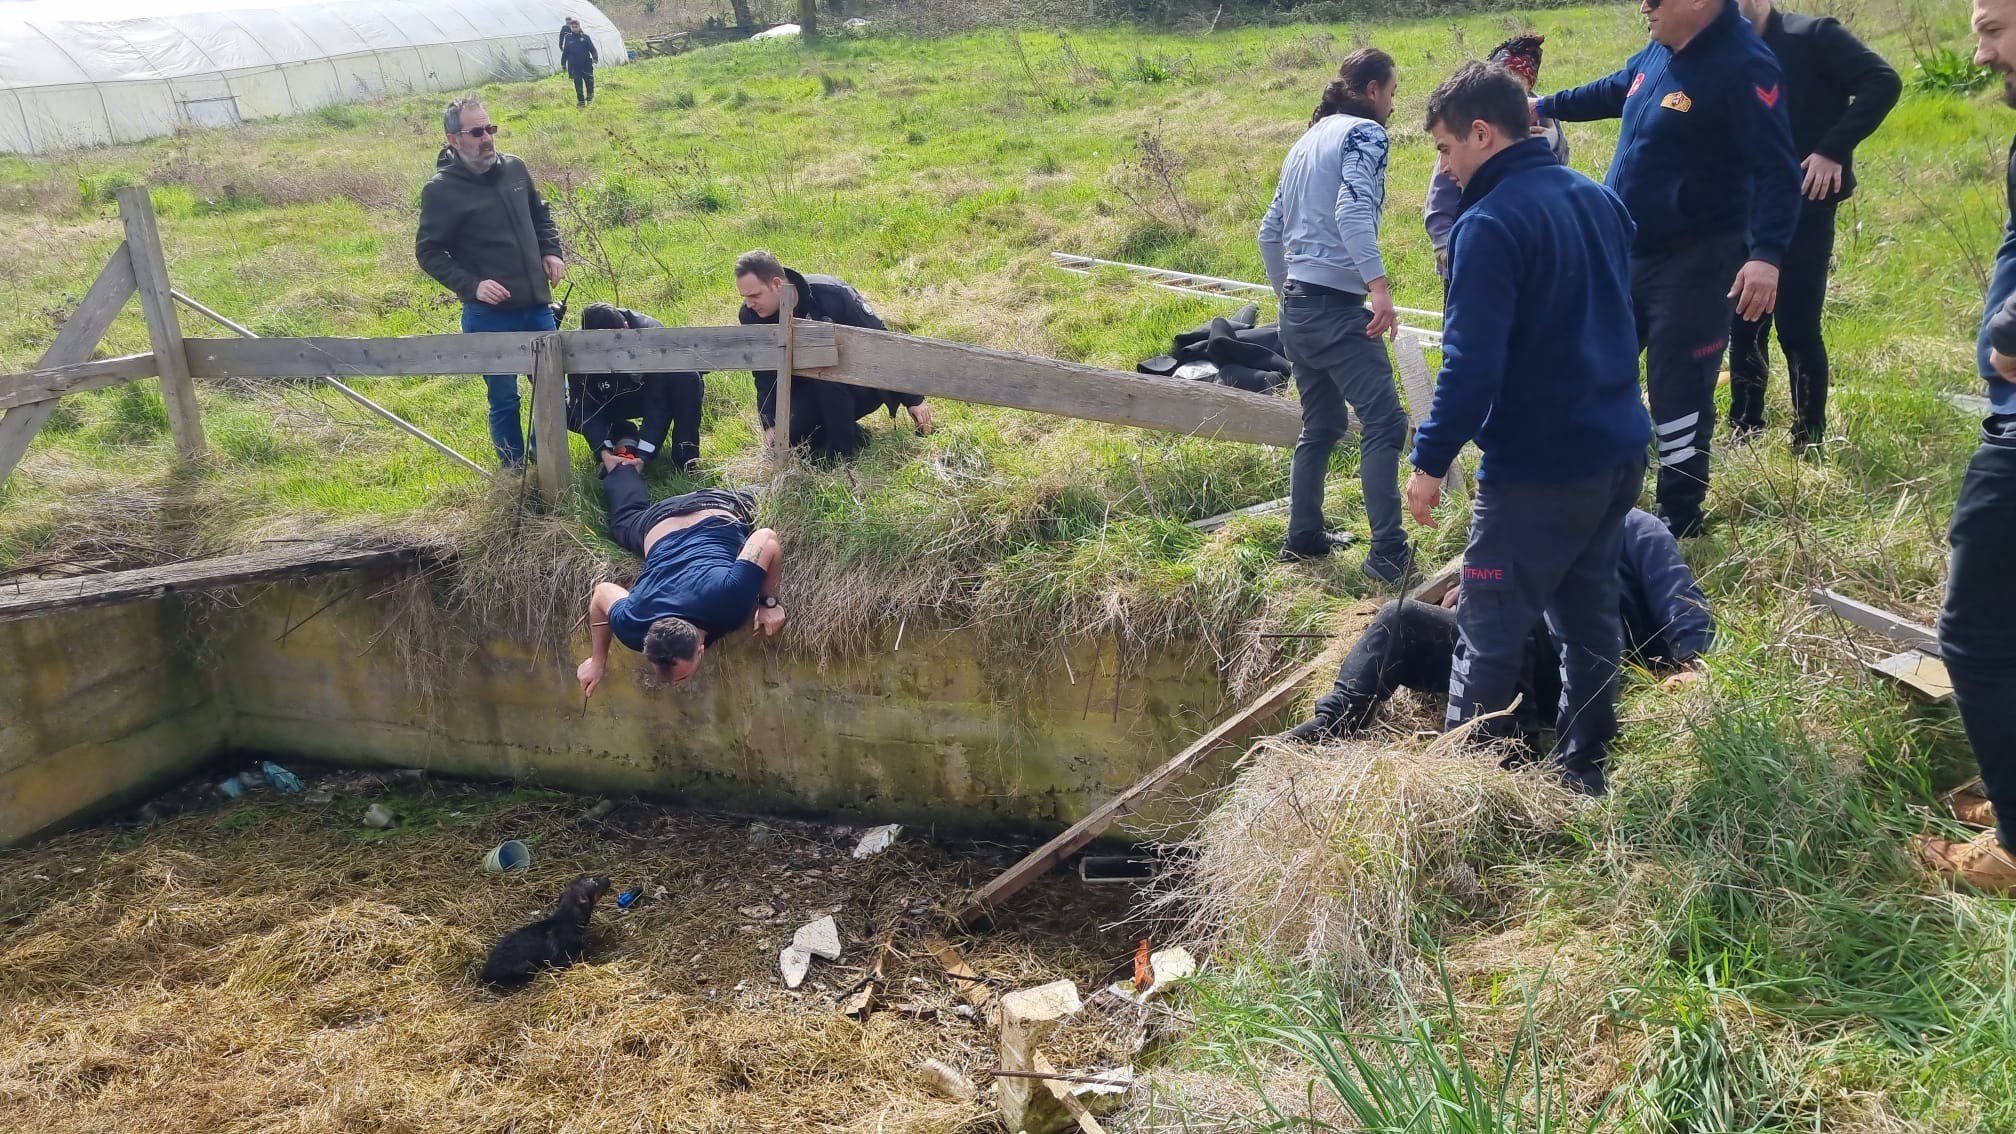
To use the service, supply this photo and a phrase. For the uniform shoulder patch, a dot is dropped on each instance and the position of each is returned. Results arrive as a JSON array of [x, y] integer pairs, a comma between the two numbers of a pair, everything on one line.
[[1679, 101], [1767, 97]]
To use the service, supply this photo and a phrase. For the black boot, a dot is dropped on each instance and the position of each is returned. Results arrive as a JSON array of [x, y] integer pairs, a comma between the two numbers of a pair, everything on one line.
[[1315, 730]]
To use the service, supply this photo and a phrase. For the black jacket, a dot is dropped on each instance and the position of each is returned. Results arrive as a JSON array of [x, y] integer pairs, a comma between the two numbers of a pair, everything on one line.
[[490, 226], [826, 299], [1836, 89], [577, 51], [587, 393]]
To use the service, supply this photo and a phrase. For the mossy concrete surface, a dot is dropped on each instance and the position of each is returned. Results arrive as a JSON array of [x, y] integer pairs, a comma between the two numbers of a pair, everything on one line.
[[115, 701]]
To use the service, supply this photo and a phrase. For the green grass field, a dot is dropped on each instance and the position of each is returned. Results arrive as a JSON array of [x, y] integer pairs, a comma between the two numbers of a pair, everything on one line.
[[1754, 950]]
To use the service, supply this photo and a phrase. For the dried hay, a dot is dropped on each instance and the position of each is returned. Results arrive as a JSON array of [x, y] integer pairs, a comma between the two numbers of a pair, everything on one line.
[[268, 965], [1337, 856]]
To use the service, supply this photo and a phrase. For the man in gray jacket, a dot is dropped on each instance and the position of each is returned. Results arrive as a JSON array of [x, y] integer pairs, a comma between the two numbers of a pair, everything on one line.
[[486, 235], [1320, 241]]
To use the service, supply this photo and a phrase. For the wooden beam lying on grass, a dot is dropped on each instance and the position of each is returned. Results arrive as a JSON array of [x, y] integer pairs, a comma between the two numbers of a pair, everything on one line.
[[936, 368], [508, 352], [1081, 834], [42, 385], [1899, 630], [290, 560]]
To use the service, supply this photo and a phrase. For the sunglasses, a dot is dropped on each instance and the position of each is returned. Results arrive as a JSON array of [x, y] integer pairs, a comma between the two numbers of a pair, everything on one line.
[[478, 131]]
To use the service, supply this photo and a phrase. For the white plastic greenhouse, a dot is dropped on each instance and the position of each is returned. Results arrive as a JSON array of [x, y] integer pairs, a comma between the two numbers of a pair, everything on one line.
[[88, 72]]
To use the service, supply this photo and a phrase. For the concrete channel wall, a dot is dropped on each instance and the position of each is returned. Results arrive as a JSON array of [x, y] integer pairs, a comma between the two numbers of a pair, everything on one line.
[[103, 706]]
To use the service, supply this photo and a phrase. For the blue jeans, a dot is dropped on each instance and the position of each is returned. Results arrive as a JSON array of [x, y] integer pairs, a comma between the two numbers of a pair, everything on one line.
[[507, 429]]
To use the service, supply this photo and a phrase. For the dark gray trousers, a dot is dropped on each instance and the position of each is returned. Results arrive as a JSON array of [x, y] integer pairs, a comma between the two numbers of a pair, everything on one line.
[[1323, 334], [1545, 550]]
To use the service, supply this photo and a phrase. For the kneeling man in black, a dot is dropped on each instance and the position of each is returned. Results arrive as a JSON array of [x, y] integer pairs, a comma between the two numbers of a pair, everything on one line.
[[706, 573]]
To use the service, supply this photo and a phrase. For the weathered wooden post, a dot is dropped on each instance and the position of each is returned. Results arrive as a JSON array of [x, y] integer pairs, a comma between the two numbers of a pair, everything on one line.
[[164, 327], [549, 415], [787, 304]]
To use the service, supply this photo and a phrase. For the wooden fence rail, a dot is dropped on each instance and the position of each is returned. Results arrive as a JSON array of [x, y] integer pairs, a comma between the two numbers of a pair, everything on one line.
[[849, 355]]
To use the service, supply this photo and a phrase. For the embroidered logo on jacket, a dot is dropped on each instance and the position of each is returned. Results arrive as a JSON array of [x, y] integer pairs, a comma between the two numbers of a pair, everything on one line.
[[1768, 98], [1679, 101], [1636, 82]]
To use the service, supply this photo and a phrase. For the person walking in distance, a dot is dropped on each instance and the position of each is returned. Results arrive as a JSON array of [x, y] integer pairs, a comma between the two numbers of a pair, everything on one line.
[[1837, 92], [578, 56], [1320, 242], [1705, 164], [1977, 624], [486, 235]]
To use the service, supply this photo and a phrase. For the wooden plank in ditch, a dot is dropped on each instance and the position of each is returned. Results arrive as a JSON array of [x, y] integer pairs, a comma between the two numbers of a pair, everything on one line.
[[37, 597], [1081, 834]]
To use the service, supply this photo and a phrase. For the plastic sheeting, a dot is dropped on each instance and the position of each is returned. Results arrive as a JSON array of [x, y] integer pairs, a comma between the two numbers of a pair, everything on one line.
[[89, 72]]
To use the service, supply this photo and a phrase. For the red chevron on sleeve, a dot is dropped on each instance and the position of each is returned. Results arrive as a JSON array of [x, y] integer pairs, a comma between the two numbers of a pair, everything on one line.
[[1768, 98]]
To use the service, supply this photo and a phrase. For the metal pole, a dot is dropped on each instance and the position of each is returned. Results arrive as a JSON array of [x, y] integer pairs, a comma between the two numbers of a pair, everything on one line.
[[407, 426]]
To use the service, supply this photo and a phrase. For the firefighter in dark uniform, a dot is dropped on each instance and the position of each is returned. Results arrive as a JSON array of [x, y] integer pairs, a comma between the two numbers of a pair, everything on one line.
[[1704, 156], [1540, 368], [1837, 92], [630, 414], [823, 414]]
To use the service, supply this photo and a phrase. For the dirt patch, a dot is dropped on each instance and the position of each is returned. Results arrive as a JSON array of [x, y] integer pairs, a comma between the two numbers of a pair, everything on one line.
[[270, 963]]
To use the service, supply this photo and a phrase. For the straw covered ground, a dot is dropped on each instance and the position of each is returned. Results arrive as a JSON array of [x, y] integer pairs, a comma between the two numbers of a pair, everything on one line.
[[272, 965]]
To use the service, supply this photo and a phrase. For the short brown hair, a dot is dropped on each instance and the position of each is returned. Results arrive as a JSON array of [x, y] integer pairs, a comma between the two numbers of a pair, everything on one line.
[[761, 263], [671, 640]]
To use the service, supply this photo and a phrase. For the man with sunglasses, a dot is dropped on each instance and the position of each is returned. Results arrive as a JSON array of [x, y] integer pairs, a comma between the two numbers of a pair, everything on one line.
[[1705, 165], [486, 235]]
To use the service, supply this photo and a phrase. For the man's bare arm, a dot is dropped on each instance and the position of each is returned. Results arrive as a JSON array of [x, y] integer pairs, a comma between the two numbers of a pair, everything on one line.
[[765, 550], [590, 671]]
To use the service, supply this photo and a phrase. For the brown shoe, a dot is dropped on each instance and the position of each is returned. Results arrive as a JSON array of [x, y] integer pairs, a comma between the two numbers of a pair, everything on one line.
[[1982, 863], [1971, 807]]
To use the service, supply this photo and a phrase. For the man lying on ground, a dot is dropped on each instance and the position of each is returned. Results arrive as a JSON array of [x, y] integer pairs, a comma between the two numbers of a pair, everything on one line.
[[705, 574], [629, 414], [1409, 645], [822, 413]]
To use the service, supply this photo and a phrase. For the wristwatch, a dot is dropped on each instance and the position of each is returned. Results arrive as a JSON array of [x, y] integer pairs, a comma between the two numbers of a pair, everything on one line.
[[768, 602]]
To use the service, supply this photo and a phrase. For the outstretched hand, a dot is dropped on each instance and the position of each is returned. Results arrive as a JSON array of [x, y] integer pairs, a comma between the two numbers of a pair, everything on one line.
[[590, 675], [1424, 492]]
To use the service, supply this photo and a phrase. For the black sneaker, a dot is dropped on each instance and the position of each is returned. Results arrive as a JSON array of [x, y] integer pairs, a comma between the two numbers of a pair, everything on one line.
[[1582, 781], [1684, 525], [1320, 727], [1293, 552], [1390, 567]]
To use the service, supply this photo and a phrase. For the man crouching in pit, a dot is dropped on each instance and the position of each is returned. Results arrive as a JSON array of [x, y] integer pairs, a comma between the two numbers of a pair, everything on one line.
[[705, 573]]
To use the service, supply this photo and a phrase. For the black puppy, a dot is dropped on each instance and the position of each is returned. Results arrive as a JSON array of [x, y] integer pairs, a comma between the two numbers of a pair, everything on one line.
[[553, 941]]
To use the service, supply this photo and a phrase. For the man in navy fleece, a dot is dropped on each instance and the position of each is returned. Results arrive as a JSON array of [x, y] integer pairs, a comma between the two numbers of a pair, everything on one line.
[[1704, 156], [1540, 367]]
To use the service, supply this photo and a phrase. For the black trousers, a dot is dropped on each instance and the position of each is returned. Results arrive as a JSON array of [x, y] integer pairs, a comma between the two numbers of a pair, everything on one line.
[[1977, 625], [632, 514], [1545, 550], [666, 403], [1802, 292], [1681, 295], [1410, 645], [823, 416], [584, 84]]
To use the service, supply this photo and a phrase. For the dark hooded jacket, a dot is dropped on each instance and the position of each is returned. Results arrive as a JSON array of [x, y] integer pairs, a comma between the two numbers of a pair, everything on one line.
[[486, 226], [826, 299]]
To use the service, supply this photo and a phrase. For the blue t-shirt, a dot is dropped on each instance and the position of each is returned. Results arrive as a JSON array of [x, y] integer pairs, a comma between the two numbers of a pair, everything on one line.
[[693, 574]]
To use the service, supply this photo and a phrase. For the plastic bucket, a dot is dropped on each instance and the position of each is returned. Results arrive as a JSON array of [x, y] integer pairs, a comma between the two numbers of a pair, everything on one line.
[[511, 855]]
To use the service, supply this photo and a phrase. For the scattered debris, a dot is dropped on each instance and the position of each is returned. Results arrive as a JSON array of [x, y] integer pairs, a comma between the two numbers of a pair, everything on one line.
[[972, 987], [318, 795], [761, 835], [877, 840], [820, 938], [1103, 869], [941, 1078], [508, 855], [860, 999], [781, 31], [757, 913], [794, 962], [1154, 973], [409, 773], [629, 897], [233, 788], [281, 779], [1029, 1018], [598, 812], [381, 816]]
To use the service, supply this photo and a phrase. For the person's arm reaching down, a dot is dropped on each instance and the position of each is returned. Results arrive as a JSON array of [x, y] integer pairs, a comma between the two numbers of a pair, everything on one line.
[[766, 551], [430, 246], [1873, 84], [1764, 135], [590, 671], [1361, 174]]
